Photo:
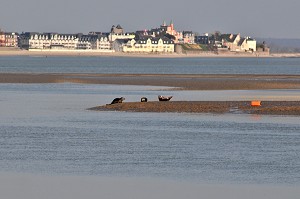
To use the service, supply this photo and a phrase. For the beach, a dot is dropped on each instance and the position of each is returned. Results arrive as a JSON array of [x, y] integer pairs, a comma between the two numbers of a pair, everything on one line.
[[90, 53], [174, 81]]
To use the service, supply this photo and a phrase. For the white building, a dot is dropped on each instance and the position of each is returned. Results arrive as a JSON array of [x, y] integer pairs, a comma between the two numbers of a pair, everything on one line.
[[55, 41], [145, 45]]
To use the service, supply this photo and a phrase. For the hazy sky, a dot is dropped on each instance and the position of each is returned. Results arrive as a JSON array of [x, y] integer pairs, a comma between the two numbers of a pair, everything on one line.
[[256, 18]]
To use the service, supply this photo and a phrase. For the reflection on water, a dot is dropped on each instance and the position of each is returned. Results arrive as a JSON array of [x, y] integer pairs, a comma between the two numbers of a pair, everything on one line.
[[45, 128]]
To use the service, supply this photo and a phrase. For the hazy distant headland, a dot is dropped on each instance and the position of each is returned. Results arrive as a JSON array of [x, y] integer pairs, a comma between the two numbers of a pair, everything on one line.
[[282, 45]]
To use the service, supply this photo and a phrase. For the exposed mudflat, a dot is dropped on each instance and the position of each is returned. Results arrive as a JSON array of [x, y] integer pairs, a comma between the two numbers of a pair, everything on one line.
[[267, 107], [179, 81]]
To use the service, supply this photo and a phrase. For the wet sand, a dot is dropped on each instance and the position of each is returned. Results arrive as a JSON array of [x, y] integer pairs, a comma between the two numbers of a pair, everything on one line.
[[178, 82], [218, 107]]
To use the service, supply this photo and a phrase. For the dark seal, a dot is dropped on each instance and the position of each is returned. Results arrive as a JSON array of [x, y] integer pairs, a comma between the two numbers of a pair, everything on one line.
[[163, 98], [144, 99], [118, 100]]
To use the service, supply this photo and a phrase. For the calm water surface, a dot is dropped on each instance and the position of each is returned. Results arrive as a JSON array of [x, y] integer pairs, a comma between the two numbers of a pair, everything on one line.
[[150, 65], [46, 129]]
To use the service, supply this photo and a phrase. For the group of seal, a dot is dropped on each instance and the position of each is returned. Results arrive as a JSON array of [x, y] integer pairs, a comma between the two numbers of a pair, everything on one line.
[[143, 99]]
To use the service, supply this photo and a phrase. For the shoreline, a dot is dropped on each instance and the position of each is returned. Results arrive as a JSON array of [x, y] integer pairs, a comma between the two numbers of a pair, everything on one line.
[[84, 53], [214, 107]]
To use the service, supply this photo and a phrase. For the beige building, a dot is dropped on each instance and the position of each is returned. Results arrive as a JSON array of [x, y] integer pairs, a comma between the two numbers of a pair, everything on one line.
[[231, 41], [148, 45], [94, 42], [247, 44], [113, 36], [238, 44], [103, 43]]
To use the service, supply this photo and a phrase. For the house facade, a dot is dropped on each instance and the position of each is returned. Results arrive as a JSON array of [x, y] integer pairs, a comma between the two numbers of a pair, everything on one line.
[[8, 39], [188, 37], [34, 40], [86, 42], [2, 39], [247, 44], [234, 42], [145, 45], [103, 43], [113, 36], [202, 39], [55, 41], [231, 41]]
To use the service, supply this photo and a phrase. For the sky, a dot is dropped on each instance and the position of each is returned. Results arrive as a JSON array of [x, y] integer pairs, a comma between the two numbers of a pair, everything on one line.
[[255, 18]]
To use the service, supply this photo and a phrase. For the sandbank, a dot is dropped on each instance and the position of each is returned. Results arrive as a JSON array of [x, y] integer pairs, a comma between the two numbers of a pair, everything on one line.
[[178, 82], [218, 107]]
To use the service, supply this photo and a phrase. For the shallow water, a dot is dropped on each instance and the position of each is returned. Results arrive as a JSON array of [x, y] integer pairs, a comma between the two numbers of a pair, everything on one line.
[[46, 129]]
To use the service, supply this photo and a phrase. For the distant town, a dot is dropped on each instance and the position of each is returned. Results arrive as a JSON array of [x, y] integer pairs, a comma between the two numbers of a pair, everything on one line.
[[164, 39]]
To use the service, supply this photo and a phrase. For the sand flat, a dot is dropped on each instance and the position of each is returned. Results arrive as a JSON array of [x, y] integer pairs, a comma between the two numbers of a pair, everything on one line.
[[180, 81], [220, 107]]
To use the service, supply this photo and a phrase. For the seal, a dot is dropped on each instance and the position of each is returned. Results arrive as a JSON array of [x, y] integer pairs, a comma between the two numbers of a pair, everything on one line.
[[163, 98], [144, 99], [118, 100]]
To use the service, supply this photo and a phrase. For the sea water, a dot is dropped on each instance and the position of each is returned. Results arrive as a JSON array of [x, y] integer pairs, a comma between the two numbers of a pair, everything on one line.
[[47, 129], [130, 65]]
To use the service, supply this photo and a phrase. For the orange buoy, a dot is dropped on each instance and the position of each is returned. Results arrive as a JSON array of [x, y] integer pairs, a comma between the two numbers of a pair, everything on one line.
[[255, 103]]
